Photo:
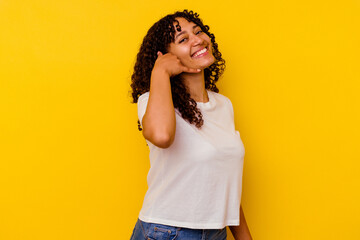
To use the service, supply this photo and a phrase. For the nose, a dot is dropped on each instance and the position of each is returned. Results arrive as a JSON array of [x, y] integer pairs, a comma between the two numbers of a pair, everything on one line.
[[197, 40]]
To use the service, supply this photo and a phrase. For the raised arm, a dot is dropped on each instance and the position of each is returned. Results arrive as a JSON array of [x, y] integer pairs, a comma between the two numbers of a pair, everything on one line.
[[159, 120]]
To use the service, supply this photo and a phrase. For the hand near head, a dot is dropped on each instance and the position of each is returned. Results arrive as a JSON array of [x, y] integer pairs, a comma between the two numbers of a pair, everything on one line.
[[172, 65]]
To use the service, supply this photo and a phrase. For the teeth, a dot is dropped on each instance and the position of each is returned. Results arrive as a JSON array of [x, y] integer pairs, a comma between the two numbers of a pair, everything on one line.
[[200, 52]]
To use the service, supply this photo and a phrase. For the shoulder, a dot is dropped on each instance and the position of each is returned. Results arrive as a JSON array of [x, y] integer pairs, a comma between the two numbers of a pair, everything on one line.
[[143, 97], [142, 104], [220, 97]]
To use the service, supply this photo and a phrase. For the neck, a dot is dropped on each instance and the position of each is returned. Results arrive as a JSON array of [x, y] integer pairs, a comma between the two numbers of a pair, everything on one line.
[[195, 82]]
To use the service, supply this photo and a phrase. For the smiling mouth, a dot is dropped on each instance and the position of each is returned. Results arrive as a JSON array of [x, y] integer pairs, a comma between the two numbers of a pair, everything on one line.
[[200, 52]]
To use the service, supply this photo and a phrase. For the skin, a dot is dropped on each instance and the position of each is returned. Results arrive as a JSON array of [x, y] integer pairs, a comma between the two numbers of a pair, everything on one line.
[[159, 120], [241, 232], [159, 123]]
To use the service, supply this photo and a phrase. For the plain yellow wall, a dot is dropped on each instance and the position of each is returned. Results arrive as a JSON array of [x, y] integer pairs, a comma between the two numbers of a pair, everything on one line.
[[73, 164]]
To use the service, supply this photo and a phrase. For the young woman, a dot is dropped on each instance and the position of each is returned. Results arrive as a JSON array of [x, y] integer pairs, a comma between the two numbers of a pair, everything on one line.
[[196, 155]]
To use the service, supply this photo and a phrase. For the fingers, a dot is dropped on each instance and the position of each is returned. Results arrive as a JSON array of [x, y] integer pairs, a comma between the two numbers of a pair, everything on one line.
[[191, 70], [174, 65]]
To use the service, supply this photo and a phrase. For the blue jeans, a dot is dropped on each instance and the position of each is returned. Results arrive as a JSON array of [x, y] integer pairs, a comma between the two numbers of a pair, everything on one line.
[[154, 231]]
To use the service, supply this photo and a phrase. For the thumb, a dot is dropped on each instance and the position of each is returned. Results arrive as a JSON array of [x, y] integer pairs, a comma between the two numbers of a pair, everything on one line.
[[159, 53]]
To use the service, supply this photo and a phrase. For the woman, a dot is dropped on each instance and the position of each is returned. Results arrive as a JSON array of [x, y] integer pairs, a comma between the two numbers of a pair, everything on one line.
[[196, 154]]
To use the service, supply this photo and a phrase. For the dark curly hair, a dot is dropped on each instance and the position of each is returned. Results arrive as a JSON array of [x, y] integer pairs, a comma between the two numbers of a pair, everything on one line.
[[158, 38]]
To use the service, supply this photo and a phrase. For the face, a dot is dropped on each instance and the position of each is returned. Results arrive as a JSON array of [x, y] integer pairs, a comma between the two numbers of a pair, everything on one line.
[[191, 45]]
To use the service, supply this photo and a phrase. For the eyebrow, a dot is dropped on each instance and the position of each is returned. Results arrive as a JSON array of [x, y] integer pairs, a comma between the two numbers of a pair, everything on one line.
[[182, 32]]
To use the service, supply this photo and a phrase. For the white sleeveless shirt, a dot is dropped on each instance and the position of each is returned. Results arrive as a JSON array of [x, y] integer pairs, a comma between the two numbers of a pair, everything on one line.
[[197, 181]]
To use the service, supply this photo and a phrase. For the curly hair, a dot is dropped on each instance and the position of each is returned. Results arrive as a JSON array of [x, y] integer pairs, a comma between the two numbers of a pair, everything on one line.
[[158, 38]]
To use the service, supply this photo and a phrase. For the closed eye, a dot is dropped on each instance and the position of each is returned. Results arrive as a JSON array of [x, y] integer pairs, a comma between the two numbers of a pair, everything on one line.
[[198, 32], [182, 40]]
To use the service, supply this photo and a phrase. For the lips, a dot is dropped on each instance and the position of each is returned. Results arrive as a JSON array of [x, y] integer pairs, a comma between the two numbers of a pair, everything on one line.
[[199, 52]]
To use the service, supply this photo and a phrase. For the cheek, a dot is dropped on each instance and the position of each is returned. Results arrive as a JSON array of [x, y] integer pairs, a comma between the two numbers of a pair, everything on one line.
[[184, 52], [180, 52]]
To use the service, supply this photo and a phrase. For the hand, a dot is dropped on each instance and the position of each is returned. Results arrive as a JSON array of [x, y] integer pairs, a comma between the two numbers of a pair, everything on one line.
[[171, 65]]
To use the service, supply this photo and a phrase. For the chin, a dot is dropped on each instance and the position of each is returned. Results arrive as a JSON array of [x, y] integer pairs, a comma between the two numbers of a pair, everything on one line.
[[208, 64], [201, 63]]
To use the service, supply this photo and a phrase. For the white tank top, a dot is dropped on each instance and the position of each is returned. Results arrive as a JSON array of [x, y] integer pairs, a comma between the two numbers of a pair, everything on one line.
[[197, 181]]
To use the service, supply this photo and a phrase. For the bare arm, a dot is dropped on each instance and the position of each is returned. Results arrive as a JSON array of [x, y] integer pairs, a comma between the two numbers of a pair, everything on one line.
[[159, 120], [241, 232]]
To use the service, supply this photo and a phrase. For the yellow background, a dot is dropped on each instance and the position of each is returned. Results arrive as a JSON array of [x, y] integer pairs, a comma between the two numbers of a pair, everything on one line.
[[73, 164]]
